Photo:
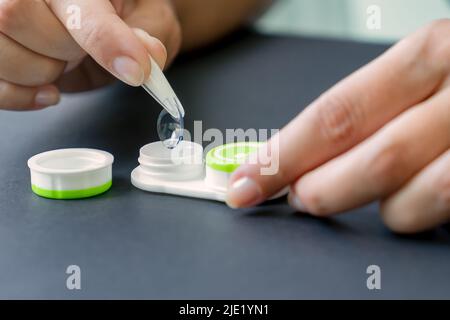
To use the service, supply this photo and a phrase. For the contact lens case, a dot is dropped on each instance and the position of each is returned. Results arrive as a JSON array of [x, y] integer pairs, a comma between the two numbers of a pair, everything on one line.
[[184, 171]]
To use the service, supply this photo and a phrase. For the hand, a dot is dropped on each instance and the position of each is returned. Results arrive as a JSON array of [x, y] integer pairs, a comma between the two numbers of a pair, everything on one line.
[[381, 134], [39, 56]]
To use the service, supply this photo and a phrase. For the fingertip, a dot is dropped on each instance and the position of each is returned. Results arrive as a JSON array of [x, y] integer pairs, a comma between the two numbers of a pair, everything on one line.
[[154, 47], [295, 202], [306, 198], [47, 96], [244, 192]]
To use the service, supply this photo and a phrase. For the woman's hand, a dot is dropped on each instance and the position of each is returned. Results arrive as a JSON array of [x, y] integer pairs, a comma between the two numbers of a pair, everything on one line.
[[40, 55], [381, 134]]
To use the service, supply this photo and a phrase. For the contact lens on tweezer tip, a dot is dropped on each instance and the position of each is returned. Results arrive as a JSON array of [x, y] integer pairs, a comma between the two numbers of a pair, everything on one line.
[[170, 130]]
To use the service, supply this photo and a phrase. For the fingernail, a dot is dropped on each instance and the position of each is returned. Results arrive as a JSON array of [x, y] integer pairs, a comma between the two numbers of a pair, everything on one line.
[[46, 98], [295, 202], [129, 71], [244, 193]]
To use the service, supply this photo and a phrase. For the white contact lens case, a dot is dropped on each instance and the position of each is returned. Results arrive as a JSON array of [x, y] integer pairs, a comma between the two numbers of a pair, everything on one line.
[[183, 171]]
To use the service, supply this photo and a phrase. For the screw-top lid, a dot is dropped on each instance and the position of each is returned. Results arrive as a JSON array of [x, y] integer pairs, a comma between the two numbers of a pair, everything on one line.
[[229, 157]]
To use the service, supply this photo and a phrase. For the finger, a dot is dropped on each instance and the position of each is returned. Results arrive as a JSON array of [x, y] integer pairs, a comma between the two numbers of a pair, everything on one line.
[[344, 116], [33, 25], [158, 19], [154, 46], [382, 164], [20, 98], [85, 77], [88, 75], [25, 67], [423, 203], [106, 37]]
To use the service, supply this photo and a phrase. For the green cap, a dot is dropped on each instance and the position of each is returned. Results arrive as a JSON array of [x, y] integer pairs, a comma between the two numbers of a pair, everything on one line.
[[71, 194], [229, 157]]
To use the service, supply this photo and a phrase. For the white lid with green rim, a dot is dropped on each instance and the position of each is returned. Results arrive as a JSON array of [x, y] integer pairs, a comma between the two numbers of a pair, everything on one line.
[[71, 173], [227, 158], [222, 161]]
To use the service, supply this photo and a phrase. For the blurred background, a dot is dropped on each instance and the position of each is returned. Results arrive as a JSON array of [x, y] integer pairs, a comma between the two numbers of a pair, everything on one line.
[[348, 18]]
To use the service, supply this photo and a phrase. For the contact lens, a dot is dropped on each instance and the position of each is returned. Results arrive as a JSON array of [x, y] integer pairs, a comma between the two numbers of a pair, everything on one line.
[[170, 130]]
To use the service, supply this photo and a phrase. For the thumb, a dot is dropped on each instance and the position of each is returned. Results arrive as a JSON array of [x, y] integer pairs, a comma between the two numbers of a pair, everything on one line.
[[105, 37]]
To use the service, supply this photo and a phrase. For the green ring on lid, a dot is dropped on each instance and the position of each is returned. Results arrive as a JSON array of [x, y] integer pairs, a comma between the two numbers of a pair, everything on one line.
[[229, 157], [71, 194]]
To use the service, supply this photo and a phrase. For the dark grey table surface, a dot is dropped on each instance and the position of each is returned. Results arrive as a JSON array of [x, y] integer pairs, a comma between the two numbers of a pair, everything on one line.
[[132, 244]]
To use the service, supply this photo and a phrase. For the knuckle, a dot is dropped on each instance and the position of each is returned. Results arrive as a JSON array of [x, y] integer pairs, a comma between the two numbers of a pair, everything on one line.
[[93, 34], [337, 118], [384, 167], [96, 29]]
